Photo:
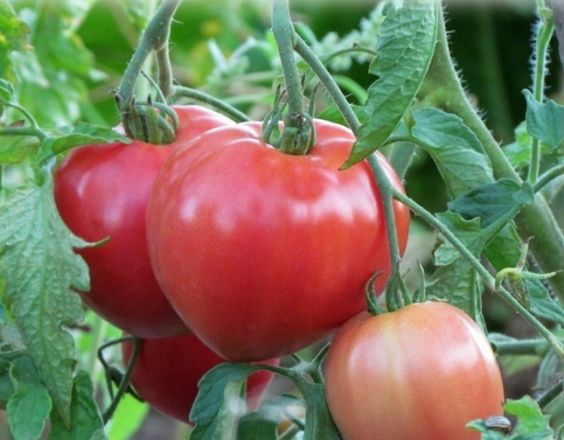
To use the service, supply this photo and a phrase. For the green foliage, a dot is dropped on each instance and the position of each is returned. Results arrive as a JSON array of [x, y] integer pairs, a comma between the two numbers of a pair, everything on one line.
[[253, 426], [13, 37], [401, 65], [532, 424], [545, 121], [40, 268]]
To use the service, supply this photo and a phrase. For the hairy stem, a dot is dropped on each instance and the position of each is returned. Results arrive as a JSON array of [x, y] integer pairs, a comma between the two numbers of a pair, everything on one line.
[[222, 106]]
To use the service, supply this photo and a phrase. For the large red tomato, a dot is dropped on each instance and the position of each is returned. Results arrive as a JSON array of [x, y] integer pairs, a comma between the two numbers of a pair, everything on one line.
[[262, 253], [168, 370], [102, 191], [421, 373]]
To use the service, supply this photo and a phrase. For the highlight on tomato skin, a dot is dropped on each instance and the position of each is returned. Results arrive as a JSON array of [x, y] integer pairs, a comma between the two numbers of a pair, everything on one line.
[[422, 372], [168, 370], [263, 253], [102, 192]]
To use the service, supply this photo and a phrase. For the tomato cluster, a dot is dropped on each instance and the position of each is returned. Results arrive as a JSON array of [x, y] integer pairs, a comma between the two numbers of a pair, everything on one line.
[[259, 254]]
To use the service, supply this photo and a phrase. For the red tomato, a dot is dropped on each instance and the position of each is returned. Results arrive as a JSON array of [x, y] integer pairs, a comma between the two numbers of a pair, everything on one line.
[[420, 373], [168, 370], [262, 253], [102, 191]]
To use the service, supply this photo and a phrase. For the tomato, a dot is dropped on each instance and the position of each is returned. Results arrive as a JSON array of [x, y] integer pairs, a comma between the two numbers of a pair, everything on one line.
[[102, 191], [422, 372], [168, 370], [262, 253]]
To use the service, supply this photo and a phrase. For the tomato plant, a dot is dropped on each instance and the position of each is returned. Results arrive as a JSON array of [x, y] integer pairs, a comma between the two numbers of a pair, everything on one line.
[[422, 372], [102, 192], [168, 370], [263, 253]]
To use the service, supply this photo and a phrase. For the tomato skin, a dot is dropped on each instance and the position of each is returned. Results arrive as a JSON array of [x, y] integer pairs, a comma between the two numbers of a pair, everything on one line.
[[168, 370], [102, 191], [263, 253], [422, 372]]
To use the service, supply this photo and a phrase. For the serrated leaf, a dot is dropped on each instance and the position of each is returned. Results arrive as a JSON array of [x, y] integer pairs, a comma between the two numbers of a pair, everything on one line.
[[217, 405], [532, 423], [253, 426], [41, 270], [405, 48], [14, 149], [13, 36], [545, 121], [454, 148], [29, 407], [501, 200], [82, 134], [86, 421], [542, 304]]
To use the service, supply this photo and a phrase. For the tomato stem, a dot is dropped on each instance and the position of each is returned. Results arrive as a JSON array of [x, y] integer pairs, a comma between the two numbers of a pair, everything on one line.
[[298, 134], [124, 384], [537, 347], [548, 177], [550, 394], [443, 84], [198, 95], [489, 279]]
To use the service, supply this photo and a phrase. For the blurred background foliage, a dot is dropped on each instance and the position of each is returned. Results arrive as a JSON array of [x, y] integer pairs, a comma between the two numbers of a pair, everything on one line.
[[79, 49]]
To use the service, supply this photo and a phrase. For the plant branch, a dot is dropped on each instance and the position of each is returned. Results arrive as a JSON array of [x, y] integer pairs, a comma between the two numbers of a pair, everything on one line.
[[488, 279], [155, 38], [537, 220], [545, 29], [537, 347], [548, 177], [198, 95]]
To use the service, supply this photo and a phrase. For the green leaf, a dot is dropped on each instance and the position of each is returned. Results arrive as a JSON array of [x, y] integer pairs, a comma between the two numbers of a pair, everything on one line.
[[86, 421], [218, 404], [405, 48], [545, 121], [41, 270], [543, 304], [454, 148], [319, 424], [14, 149], [501, 200], [550, 366], [253, 426], [29, 407], [81, 134], [13, 36], [532, 423]]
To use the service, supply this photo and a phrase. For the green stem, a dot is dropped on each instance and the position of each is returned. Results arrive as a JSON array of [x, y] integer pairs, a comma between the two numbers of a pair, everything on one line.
[[552, 393], [99, 327], [328, 82], [297, 135], [537, 347], [548, 177], [124, 385], [488, 279], [155, 38], [290, 433], [536, 220], [23, 131], [164, 68], [545, 29], [198, 95]]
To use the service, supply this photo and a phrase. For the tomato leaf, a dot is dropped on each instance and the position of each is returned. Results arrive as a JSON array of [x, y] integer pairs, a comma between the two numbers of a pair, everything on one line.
[[81, 134], [254, 426], [542, 303], [218, 404], [545, 121], [319, 423], [29, 407], [455, 149], [14, 34], [86, 421], [40, 270], [548, 369], [405, 48], [14, 149], [498, 201]]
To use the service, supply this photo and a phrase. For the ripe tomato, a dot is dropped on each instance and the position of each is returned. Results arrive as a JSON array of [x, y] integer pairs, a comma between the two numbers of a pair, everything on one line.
[[420, 373], [102, 191], [168, 370], [262, 253]]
